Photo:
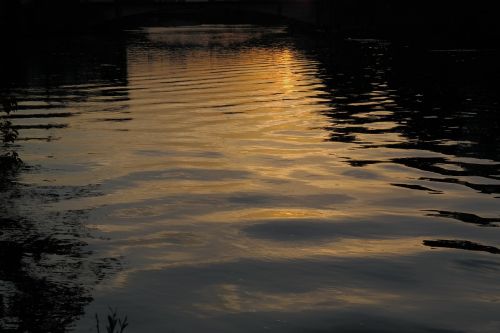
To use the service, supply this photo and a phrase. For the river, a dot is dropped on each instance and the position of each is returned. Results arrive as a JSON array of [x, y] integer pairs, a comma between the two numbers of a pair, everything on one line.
[[241, 178]]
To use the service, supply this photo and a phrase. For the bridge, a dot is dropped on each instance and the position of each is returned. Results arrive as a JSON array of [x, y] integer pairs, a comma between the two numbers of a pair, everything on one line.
[[306, 12], [91, 13]]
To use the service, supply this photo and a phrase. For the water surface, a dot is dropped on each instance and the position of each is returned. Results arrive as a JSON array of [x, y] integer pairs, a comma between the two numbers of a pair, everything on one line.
[[242, 179]]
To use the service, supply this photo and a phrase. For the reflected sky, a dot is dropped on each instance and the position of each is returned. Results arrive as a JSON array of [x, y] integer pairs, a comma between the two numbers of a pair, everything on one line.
[[250, 180]]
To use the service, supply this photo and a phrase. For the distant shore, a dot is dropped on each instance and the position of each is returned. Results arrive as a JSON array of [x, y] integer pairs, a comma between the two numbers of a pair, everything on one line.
[[437, 23]]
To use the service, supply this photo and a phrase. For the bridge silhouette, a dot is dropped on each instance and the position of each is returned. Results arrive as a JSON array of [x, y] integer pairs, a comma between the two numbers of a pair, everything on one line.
[[91, 13], [306, 12]]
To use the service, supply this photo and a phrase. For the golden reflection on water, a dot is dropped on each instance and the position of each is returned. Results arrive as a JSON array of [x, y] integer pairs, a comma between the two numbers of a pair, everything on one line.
[[231, 299], [217, 142], [229, 138]]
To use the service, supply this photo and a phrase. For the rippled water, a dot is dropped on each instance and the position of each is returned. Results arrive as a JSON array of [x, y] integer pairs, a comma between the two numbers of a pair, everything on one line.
[[242, 179]]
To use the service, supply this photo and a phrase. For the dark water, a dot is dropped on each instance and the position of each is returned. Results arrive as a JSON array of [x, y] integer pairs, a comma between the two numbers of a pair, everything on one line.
[[243, 179]]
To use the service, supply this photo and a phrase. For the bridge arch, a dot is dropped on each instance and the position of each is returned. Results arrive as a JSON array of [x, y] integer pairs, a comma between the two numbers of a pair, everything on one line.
[[102, 11]]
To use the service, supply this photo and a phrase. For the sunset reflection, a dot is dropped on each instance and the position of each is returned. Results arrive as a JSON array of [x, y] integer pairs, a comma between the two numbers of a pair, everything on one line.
[[242, 175]]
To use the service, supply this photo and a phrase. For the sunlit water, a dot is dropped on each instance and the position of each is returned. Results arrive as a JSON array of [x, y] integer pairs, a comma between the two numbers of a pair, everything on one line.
[[240, 179]]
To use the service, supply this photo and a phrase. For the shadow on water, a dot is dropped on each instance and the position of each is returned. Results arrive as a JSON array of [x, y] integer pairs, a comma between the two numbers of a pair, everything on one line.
[[438, 101], [440, 105], [461, 244], [467, 218], [47, 271]]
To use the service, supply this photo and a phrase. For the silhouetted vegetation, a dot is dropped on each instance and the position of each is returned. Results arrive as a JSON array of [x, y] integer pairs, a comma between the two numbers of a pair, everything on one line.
[[114, 324], [9, 159]]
